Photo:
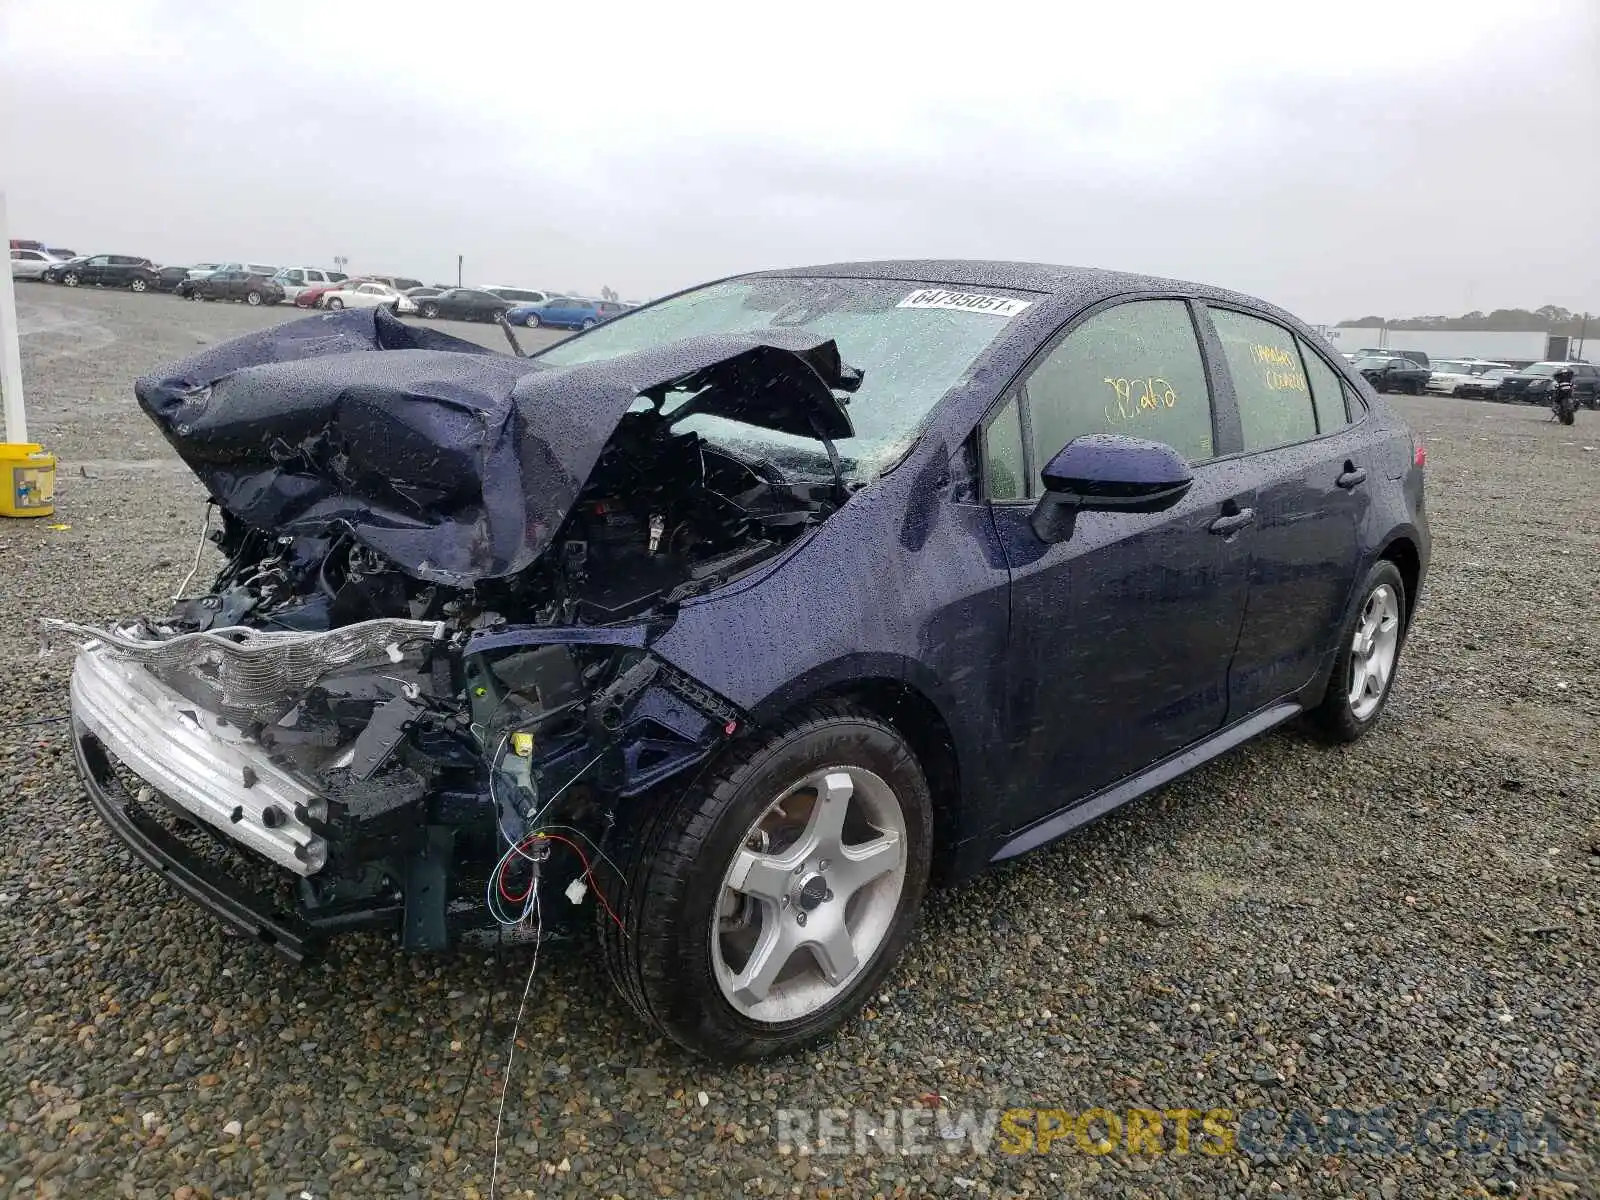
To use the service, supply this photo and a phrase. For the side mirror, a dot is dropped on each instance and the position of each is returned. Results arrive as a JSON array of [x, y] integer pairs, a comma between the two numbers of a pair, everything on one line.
[[1107, 472]]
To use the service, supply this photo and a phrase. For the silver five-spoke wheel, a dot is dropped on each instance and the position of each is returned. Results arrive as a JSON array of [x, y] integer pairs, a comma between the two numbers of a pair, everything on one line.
[[1373, 650], [810, 897]]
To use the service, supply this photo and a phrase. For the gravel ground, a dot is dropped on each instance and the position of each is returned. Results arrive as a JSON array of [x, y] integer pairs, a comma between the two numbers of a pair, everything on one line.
[[1409, 922]]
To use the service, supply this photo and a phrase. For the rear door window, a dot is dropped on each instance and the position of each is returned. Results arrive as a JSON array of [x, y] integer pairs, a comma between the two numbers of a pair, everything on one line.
[[1269, 380], [1134, 369]]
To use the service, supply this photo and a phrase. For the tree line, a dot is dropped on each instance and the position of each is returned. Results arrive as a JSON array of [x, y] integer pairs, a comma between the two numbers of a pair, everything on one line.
[[1552, 318]]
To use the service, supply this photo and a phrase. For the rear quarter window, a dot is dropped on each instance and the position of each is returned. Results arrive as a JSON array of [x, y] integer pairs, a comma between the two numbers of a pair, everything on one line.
[[1328, 396]]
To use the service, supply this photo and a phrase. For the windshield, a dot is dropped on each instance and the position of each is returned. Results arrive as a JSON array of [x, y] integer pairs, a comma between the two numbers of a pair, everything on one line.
[[910, 356], [1543, 368]]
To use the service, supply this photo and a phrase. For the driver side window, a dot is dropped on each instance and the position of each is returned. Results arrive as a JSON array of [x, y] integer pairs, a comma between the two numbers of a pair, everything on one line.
[[1134, 369]]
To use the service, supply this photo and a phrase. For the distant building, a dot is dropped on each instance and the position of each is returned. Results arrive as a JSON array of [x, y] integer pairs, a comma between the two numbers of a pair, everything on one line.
[[1517, 349]]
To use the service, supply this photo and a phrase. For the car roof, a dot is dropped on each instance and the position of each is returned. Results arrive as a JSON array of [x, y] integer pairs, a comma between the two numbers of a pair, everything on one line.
[[1075, 287]]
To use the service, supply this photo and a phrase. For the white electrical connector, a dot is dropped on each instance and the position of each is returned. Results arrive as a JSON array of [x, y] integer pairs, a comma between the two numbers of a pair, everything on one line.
[[576, 891]]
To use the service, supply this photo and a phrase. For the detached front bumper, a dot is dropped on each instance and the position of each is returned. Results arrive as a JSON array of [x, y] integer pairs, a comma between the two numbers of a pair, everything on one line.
[[198, 761]]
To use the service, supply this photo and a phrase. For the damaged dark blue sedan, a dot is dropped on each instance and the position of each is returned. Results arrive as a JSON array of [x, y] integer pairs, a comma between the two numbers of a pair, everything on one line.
[[742, 618]]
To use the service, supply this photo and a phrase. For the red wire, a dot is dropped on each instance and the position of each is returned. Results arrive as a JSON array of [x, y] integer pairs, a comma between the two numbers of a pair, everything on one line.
[[501, 884], [588, 871]]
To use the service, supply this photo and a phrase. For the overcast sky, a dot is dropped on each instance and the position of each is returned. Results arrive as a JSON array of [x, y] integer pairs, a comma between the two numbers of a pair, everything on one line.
[[1398, 157]]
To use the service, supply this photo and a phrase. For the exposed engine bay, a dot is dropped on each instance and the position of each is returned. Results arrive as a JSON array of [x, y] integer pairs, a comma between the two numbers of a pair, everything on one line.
[[409, 749], [664, 517]]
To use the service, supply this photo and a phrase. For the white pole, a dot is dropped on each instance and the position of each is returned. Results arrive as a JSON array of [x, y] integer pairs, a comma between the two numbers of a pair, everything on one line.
[[10, 348]]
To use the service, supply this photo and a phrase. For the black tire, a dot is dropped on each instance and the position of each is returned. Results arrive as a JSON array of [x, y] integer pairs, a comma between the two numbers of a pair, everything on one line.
[[139, 285], [1378, 385], [1335, 716], [70, 279], [431, 311], [587, 325], [253, 299], [335, 303], [494, 316], [531, 320], [674, 852]]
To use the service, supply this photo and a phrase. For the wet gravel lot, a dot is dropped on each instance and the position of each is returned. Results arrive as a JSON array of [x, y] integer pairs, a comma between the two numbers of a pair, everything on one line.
[[1407, 924]]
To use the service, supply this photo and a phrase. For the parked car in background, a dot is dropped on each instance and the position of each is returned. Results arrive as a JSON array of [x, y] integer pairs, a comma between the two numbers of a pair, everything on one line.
[[1081, 532], [1483, 387], [111, 270], [1448, 375], [464, 304], [168, 278], [370, 294], [201, 270], [31, 264], [233, 284], [312, 295], [1416, 356], [399, 283], [294, 280], [565, 312], [1391, 373], [1533, 384], [516, 295], [54, 272]]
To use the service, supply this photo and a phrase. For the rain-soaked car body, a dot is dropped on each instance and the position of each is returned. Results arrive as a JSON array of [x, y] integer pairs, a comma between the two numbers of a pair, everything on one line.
[[741, 617]]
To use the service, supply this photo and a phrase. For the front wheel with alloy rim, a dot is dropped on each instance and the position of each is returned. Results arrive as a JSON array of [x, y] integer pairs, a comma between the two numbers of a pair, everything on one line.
[[1369, 654], [253, 299], [430, 311], [531, 320], [70, 279], [587, 325], [138, 285], [766, 902]]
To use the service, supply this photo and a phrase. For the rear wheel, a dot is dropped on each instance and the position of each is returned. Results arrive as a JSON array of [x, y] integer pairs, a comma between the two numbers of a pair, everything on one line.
[[139, 285], [1369, 653], [765, 904], [70, 279], [531, 320], [335, 303], [588, 324], [253, 299], [430, 311]]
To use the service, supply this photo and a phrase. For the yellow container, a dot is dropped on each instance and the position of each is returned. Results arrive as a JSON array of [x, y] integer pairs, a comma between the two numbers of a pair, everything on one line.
[[27, 480]]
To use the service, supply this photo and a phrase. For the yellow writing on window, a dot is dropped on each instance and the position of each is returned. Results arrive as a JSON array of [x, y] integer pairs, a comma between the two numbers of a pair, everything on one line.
[[1280, 369], [1133, 399]]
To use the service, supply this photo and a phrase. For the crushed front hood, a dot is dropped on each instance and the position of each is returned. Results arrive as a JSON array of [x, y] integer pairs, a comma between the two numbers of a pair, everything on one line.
[[453, 462]]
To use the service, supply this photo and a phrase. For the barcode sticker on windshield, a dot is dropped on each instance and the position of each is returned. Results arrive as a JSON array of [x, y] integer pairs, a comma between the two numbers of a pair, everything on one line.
[[995, 306]]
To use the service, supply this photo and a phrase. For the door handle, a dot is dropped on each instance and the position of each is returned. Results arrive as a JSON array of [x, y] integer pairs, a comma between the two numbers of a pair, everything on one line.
[[1352, 476], [1233, 522]]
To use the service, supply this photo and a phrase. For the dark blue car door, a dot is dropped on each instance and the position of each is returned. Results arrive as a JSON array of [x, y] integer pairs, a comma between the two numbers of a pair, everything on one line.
[[1121, 634], [1313, 472]]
